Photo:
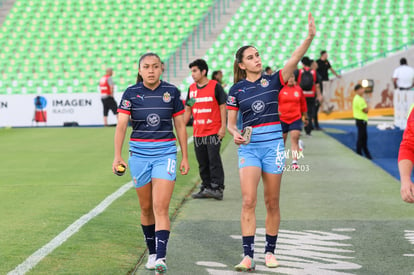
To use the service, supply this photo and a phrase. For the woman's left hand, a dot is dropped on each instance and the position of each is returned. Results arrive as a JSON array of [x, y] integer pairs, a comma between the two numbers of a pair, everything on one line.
[[184, 166]]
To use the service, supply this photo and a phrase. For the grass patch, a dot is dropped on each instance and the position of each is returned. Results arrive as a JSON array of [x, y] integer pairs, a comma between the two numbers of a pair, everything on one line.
[[50, 177], [53, 176]]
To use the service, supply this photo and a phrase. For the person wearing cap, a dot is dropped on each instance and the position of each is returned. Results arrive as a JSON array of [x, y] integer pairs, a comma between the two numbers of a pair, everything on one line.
[[360, 112]]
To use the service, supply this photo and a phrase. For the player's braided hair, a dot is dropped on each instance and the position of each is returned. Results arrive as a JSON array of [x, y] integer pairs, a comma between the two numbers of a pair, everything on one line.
[[239, 74], [139, 77]]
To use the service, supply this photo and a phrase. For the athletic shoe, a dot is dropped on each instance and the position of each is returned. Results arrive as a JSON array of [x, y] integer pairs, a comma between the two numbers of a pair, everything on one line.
[[150, 265], [270, 260], [295, 166], [215, 194], [160, 267], [200, 194], [247, 264], [301, 145]]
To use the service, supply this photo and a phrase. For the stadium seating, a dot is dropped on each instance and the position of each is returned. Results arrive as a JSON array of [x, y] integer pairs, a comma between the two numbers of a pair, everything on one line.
[[350, 30], [54, 46]]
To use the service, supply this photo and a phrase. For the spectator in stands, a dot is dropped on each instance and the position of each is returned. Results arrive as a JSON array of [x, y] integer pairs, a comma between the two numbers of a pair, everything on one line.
[[292, 108], [307, 79], [360, 112], [314, 66], [106, 86], [268, 71], [406, 160], [218, 76], [206, 101], [403, 76]]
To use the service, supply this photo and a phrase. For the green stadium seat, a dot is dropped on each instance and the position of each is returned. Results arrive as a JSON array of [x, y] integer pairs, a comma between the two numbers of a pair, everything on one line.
[[62, 36], [345, 29]]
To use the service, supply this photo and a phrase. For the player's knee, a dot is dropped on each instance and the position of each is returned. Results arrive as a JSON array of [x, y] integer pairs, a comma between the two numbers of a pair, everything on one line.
[[160, 209], [147, 211], [249, 203], [272, 204], [295, 138]]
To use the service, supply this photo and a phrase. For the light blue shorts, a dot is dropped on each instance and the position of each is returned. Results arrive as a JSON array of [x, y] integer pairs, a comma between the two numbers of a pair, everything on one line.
[[271, 159], [144, 169]]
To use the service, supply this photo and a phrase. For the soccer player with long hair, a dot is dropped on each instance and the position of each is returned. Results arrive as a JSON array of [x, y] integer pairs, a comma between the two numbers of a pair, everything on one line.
[[262, 156], [152, 105]]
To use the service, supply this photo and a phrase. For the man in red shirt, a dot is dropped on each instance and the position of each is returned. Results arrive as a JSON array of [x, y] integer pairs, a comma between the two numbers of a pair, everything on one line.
[[106, 86], [406, 160], [292, 107], [206, 101]]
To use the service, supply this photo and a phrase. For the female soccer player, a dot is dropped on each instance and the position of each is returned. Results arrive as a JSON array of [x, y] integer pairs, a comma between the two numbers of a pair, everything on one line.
[[152, 104], [292, 106], [256, 97]]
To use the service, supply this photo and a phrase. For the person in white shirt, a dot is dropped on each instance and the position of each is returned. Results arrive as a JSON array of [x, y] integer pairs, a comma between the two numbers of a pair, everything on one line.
[[403, 76]]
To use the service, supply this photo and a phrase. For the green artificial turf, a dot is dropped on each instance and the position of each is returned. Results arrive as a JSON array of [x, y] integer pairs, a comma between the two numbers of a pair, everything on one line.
[[53, 176]]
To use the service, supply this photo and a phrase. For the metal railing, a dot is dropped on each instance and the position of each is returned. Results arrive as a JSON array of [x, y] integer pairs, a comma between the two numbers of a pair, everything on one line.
[[180, 58]]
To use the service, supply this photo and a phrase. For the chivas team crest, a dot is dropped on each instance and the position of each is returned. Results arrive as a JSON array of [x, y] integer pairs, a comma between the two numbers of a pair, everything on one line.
[[166, 97], [264, 82]]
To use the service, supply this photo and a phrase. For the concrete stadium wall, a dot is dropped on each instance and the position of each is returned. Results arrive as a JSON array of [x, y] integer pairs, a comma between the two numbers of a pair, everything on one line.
[[338, 93]]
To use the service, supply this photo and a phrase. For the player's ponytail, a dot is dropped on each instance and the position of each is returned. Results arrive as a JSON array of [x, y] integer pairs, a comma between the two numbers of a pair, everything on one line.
[[139, 78], [239, 74]]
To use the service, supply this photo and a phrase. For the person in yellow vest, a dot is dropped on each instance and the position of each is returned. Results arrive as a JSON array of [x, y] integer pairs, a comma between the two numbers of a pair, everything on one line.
[[360, 112]]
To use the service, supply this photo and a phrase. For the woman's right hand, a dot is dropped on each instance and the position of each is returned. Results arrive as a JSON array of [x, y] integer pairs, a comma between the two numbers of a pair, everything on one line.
[[118, 161], [238, 139], [407, 191]]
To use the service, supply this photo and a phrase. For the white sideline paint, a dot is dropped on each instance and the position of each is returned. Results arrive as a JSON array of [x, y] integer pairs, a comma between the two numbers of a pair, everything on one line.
[[41, 253], [36, 257], [343, 229], [409, 235]]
